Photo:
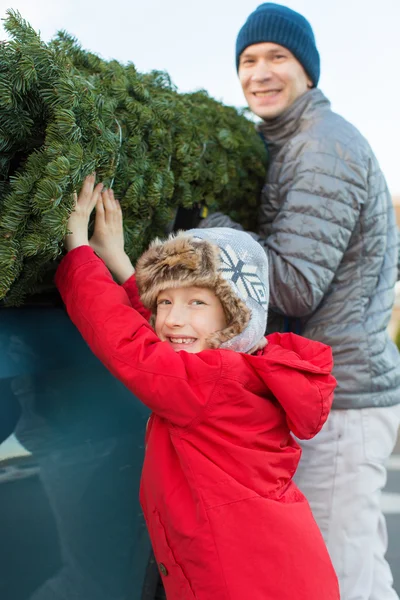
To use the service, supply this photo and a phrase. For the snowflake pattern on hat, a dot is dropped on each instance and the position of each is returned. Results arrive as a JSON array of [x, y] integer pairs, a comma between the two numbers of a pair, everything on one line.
[[244, 265], [243, 275]]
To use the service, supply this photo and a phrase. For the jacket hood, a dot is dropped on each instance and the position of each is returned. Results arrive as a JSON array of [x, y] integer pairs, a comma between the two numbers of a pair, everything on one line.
[[298, 373]]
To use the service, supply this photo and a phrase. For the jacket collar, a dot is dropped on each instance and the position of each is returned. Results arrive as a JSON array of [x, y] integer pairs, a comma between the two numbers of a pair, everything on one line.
[[276, 132]]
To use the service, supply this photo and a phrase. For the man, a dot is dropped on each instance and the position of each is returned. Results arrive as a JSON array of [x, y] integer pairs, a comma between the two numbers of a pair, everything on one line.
[[328, 227]]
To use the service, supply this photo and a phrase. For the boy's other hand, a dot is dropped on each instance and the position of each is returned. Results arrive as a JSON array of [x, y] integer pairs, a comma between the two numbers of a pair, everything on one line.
[[108, 237], [78, 221]]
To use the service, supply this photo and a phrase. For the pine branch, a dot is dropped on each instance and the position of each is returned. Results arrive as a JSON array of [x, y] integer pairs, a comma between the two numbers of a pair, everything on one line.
[[65, 112]]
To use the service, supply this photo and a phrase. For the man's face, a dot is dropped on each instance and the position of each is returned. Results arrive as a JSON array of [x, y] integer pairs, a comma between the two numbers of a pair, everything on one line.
[[271, 78]]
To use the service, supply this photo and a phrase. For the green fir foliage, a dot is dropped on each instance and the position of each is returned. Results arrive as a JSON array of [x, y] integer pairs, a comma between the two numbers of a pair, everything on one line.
[[65, 112]]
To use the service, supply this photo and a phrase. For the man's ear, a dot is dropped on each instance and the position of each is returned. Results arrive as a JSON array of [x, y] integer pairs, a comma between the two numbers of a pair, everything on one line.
[[310, 84]]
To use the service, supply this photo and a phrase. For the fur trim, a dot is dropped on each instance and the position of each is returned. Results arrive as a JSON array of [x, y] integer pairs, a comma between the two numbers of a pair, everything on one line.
[[182, 261]]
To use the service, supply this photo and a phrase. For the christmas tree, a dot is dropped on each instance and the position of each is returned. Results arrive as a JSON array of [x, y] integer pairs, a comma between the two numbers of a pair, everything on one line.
[[65, 112]]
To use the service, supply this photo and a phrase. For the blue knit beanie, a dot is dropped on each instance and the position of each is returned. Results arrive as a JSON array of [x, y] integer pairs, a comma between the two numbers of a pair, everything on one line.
[[281, 25]]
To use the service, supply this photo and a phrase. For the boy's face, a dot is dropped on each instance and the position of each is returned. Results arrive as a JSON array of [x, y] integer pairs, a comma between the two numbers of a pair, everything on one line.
[[187, 316], [271, 79]]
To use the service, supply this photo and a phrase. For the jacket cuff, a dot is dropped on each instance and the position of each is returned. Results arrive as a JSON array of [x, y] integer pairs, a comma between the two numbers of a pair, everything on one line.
[[131, 285], [131, 288]]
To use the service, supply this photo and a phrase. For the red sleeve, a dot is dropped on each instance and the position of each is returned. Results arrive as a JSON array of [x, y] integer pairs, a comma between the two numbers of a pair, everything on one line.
[[130, 286], [175, 385]]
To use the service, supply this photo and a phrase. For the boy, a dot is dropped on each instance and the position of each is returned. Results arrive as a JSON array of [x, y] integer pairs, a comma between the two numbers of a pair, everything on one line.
[[225, 519]]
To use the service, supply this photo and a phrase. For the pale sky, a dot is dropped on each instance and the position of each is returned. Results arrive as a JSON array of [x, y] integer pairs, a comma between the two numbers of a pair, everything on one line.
[[358, 40]]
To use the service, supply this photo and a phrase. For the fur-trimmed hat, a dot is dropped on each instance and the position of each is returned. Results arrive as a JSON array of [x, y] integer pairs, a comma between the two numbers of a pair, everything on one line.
[[229, 262]]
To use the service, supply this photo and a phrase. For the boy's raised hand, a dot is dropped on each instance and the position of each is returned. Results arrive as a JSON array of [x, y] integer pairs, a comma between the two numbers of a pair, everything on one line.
[[78, 221], [108, 237]]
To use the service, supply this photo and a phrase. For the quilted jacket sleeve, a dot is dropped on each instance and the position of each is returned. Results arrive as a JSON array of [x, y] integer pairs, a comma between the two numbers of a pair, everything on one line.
[[320, 200], [398, 255], [175, 385]]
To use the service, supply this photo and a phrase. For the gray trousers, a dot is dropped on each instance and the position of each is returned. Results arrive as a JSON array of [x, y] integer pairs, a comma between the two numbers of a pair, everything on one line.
[[342, 473]]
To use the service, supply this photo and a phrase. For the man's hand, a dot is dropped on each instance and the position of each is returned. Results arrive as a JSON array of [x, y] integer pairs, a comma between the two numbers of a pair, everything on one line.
[[218, 219], [108, 237], [78, 221]]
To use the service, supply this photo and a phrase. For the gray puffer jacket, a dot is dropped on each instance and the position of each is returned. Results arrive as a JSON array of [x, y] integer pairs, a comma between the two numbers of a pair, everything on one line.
[[328, 226]]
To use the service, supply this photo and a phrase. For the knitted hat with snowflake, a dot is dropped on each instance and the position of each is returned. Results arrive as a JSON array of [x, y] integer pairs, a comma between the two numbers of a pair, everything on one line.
[[229, 262]]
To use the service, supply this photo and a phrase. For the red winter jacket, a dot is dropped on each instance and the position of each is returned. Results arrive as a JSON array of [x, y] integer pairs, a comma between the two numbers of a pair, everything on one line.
[[225, 519]]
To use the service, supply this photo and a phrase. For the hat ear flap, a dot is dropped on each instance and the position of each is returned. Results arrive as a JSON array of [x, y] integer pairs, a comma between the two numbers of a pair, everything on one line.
[[236, 311]]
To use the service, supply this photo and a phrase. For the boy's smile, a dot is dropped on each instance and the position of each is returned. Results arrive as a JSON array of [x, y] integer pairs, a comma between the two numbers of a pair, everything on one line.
[[180, 342], [187, 316]]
